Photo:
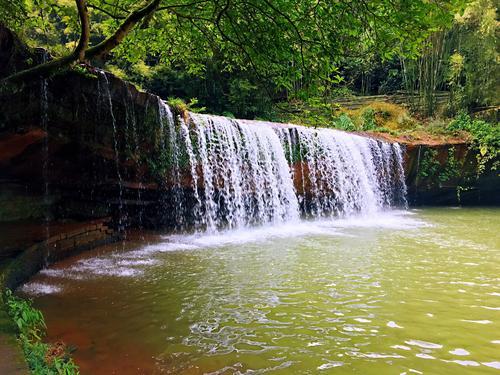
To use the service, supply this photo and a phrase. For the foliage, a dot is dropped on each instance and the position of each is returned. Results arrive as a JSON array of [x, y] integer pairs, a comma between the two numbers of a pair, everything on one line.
[[429, 164], [344, 122], [282, 47], [486, 138], [29, 321], [382, 117], [13, 13], [432, 170], [368, 120], [474, 66], [247, 100], [463, 59], [456, 66], [42, 358], [321, 112], [179, 106]]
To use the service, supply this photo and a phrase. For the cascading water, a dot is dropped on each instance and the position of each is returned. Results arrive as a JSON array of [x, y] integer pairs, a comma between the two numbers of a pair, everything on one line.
[[44, 122], [115, 146], [245, 175], [227, 173], [342, 173]]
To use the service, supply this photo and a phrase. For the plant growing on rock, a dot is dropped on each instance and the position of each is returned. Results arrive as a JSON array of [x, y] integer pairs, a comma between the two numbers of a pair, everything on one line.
[[486, 140], [433, 171]]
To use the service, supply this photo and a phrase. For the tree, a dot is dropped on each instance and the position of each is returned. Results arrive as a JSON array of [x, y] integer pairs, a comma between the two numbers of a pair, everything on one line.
[[474, 66], [462, 58], [286, 41]]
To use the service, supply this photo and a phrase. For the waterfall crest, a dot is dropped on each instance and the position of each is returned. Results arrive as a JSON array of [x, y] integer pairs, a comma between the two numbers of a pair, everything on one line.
[[228, 173]]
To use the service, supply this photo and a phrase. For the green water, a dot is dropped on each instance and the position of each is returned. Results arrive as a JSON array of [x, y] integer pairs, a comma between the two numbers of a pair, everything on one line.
[[415, 292]]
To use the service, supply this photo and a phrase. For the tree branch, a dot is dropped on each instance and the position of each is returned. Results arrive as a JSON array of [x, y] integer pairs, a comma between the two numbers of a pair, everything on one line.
[[48, 67], [108, 44], [82, 52], [83, 43], [106, 12]]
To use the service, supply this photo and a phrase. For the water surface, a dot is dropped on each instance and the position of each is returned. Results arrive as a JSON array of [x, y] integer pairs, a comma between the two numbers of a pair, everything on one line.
[[401, 292]]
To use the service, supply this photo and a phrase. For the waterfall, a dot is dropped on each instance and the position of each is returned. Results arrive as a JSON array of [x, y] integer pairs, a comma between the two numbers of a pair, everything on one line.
[[245, 174], [107, 93], [44, 122], [343, 173], [227, 173]]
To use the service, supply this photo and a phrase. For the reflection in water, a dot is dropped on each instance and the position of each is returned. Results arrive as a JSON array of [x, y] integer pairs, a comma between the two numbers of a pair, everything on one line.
[[405, 292]]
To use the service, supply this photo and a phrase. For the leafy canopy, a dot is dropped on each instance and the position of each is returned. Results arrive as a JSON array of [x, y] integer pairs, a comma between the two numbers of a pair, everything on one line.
[[283, 41]]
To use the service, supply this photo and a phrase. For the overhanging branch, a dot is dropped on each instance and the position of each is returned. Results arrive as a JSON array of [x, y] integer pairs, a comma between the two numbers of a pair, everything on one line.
[[53, 65], [107, 45], [82, 52]]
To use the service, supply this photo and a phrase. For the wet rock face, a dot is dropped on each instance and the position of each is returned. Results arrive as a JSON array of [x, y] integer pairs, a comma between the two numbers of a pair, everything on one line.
[[68, 137], [14, 55], [63, 135], [447, 174]]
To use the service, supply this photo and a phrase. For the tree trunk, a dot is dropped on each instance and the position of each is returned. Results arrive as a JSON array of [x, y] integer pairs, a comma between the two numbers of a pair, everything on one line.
[[82, 52]]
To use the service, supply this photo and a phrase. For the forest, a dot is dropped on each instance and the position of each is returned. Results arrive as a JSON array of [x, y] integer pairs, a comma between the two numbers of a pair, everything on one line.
[[251, 58]]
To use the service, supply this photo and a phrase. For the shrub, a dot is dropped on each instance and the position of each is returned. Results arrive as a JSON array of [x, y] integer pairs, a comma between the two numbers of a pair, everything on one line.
[[344, 122], [368, 119], [42, 358], [486, 139]]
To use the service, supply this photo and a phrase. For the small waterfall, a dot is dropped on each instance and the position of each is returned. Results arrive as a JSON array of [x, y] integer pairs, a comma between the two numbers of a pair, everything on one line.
[[226, 173], [341, 173], [44, 123], [133, 145], [107, 93]]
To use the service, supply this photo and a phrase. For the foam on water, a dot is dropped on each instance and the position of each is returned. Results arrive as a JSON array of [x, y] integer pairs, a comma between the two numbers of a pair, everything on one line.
[[134, 263], [398, 220], [459, 351], [423, 344], [36, 288]]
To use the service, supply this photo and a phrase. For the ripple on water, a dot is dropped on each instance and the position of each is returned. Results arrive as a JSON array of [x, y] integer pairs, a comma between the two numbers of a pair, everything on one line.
[[392, 324], [424, 356], [375, 355], [494, 364], [423, 344], [477, 321], [279, 303], [402, 347], [459, 351], [463, 363], [329, 365]]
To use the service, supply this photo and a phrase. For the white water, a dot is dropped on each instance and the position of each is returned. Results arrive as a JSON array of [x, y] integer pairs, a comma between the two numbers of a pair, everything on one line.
[[243, 173]]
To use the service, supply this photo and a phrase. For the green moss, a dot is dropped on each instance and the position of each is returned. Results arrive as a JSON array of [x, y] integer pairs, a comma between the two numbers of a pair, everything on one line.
[[84, 71]]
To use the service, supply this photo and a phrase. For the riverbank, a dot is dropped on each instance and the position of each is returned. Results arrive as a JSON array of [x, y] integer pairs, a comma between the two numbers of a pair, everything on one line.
[[26, 247]]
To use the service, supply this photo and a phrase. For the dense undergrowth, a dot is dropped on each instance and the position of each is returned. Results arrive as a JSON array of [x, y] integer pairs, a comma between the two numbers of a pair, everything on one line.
[[396, 120], [42, 358]]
